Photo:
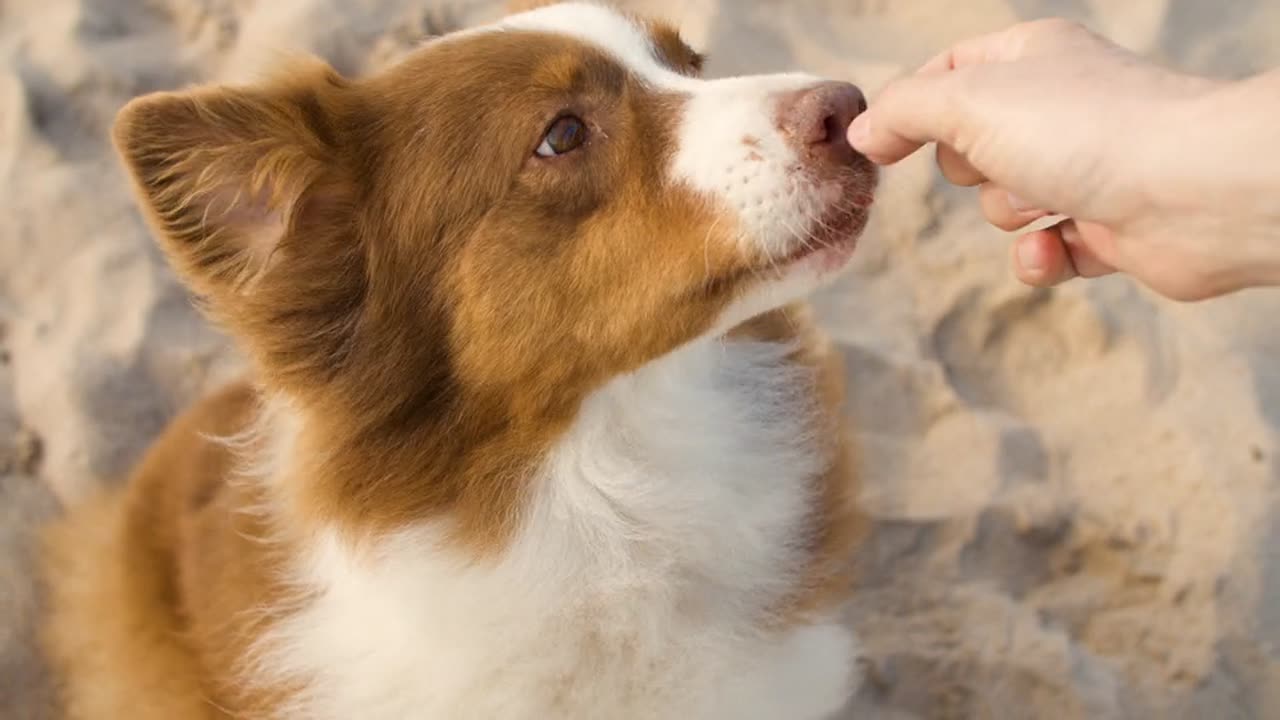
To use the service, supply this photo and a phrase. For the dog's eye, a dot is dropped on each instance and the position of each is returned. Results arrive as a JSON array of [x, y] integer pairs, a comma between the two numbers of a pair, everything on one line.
[[566, 134]]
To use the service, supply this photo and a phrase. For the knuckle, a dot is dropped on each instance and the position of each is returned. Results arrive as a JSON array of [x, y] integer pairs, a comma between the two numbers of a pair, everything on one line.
[[955, 100]]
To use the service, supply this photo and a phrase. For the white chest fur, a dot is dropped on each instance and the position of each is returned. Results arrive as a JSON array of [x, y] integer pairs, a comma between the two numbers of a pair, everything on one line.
[[663, 527]]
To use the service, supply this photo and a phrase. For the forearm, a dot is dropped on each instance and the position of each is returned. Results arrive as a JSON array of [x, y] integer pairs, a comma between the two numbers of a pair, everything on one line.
[[1222, 158], [1246, 144]]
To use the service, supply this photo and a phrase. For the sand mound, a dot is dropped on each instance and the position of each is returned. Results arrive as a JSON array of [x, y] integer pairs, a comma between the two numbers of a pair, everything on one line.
[[1074, 490]]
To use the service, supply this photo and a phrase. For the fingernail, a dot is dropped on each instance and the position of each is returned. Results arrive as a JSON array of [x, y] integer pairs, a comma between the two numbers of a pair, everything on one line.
[[860, 131], [1030, 257]]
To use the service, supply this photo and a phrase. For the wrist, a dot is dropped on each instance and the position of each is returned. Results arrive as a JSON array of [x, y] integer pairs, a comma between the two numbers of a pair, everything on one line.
[[1213, 161], [1178, 146]]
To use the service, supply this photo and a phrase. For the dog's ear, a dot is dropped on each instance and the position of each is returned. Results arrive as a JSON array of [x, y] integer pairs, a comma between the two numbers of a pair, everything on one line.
[[251, 192], [225, 175]]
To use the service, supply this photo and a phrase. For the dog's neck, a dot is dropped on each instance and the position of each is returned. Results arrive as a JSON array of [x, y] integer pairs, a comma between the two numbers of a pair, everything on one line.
[[673, 517], [691, 457], [655, 452]]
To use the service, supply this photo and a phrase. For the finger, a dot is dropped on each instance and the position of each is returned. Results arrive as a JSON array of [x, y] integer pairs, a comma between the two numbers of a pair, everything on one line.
[[956, 169], [999, 209], [924, 107], [1040, 258], [1089, 245], [908, 113], [1047, 257]]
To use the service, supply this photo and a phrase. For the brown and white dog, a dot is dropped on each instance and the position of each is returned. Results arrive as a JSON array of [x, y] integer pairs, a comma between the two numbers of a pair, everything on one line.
[[537, 428]]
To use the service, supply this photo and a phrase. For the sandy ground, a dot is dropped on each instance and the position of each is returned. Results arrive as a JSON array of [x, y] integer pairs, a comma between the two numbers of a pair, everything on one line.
[[1075, 491]]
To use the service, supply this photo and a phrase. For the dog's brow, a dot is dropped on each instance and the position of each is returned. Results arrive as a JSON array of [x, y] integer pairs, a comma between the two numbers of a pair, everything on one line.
[[562, 72]]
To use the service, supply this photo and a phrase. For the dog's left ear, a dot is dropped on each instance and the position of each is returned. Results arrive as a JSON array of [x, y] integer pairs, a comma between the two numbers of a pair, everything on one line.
[[228, 174], [252, 194]]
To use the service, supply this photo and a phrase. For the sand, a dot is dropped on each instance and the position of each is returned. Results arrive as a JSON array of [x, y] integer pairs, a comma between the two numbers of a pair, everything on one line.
[[1074, 491]]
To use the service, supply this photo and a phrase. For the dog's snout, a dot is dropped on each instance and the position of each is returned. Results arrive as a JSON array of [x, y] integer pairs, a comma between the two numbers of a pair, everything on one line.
[[815, 120]]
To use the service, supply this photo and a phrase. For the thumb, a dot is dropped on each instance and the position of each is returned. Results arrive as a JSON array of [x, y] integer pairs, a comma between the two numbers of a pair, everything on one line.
[[908, 113]]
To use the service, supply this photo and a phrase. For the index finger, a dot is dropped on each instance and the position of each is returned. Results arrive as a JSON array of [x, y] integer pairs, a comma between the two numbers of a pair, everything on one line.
[[914, 110], [908, 113], [923, 107]]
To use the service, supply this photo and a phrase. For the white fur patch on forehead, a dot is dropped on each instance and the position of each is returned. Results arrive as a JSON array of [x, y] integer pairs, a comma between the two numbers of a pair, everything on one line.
[[628, 42], [729, 144]]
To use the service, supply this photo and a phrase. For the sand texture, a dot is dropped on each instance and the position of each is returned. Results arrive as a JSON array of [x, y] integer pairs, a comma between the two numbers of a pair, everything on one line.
[[1074, 491]]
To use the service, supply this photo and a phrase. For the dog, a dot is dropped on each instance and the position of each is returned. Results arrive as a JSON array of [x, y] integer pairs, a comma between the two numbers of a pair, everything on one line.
[[537, 423]]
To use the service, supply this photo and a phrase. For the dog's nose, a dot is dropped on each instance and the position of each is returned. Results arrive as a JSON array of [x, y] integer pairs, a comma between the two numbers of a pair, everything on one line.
[[815, 120]]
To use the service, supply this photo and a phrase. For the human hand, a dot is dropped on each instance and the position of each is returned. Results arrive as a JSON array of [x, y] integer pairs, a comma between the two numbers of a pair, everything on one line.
[[1047, 118]]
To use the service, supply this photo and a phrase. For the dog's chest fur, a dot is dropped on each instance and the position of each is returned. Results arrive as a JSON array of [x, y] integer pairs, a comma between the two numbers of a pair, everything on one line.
[[664, 529]]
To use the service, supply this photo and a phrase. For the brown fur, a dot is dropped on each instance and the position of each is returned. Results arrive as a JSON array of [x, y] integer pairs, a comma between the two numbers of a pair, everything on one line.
[[430, 298], [152, 586], [450, 339]]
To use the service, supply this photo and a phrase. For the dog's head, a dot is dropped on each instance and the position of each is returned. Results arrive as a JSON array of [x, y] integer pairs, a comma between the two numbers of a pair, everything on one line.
[[509, 217]]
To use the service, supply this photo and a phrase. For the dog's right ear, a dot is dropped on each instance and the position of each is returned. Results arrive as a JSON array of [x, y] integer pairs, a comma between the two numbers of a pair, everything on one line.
[[226, 175]]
